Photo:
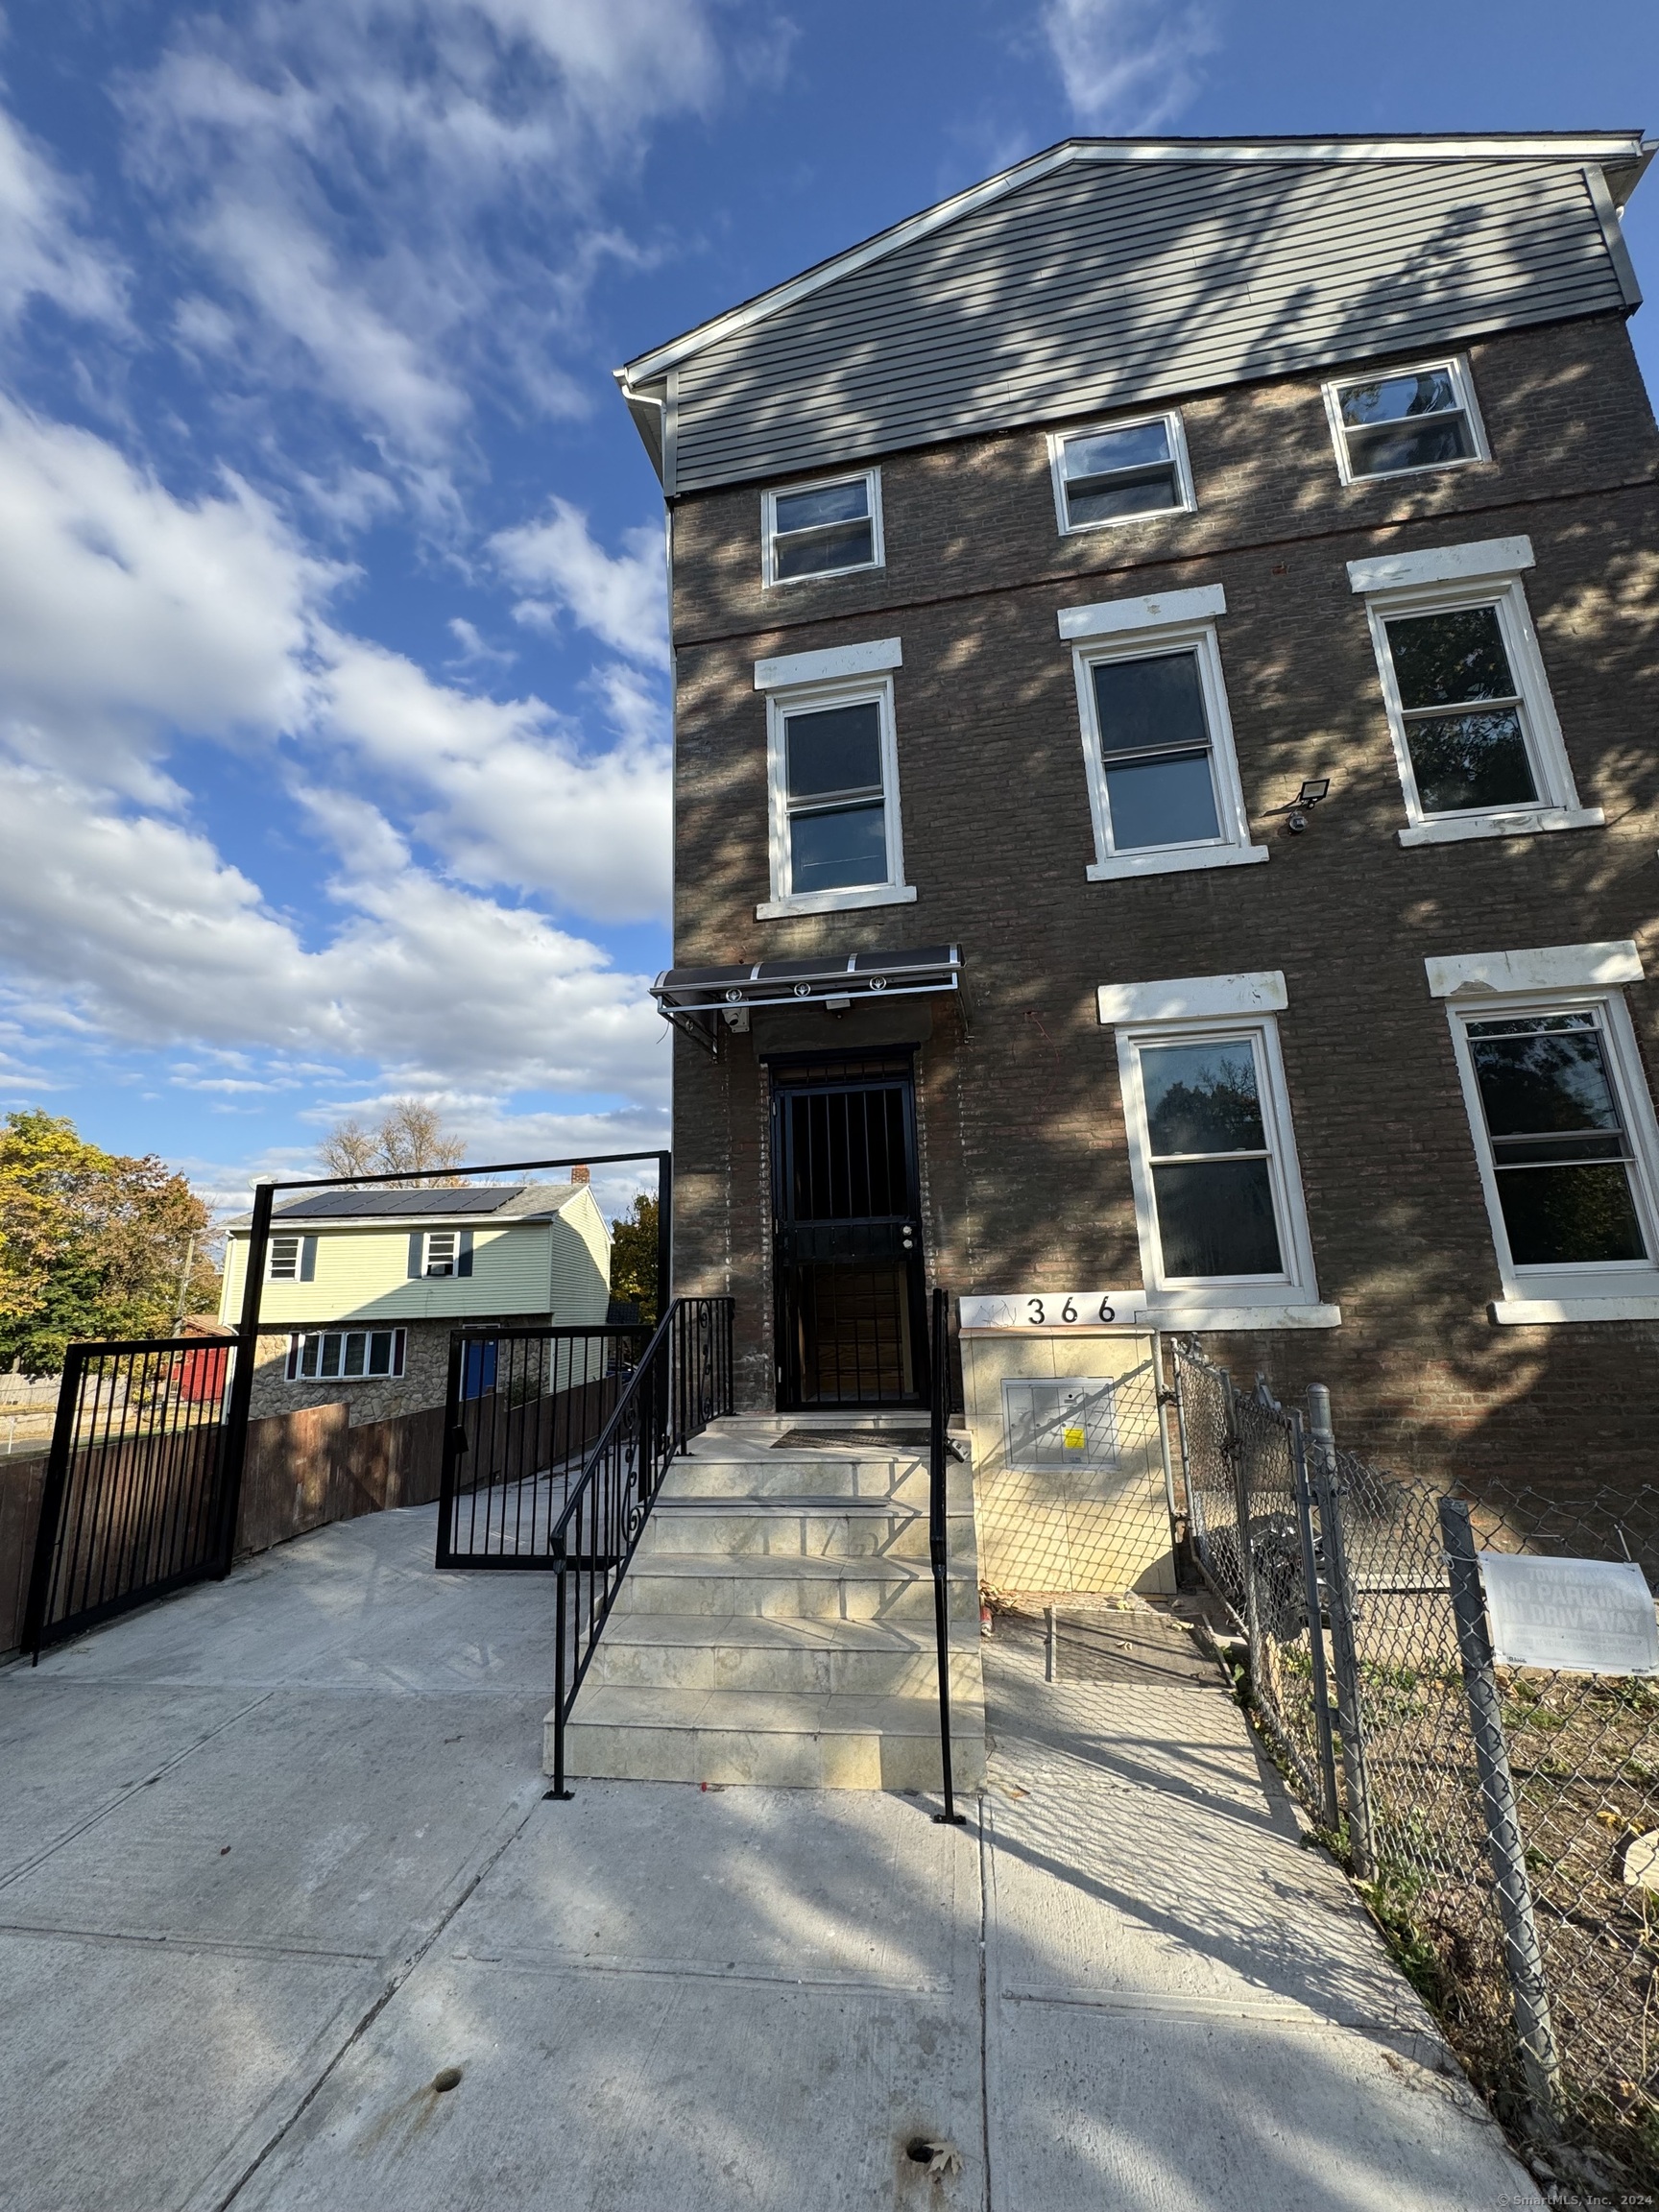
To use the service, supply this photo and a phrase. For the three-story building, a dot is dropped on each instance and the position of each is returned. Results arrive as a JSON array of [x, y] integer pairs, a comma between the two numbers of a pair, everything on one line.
[[1166, 778]]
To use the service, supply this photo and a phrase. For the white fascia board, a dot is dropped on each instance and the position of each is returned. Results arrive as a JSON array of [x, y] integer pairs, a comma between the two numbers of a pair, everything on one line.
[[1441, 564], [1194, 998], [1622, 146], [791, 668], [1111, 616], [1543, 967]]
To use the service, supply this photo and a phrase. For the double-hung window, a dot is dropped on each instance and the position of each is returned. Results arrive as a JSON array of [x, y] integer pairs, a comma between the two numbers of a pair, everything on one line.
[[439, 1252], [345, 1354], [1157, 739], [293, 1256], [822, 529], [1564, 1128], [1405, 420], [835, 836], [1119, 472], [1212, 1157], [1475, 739]]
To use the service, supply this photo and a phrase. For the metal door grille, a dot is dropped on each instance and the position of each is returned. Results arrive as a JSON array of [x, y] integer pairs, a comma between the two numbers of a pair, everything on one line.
[[846, 1239]]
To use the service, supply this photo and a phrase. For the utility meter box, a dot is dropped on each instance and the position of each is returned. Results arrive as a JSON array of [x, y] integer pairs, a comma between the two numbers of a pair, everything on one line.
[[1068, 1423]]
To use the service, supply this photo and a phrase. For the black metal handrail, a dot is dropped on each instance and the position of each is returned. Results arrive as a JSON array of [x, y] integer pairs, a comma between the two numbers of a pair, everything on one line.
[[683, 1381], [938, 1456]]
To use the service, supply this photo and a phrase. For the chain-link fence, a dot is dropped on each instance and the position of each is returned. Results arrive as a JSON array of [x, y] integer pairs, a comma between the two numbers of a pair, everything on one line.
[[1545, 1972]]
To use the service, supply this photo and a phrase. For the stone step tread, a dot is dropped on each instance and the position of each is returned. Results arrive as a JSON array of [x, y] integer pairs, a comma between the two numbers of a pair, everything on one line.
[[765, 1632], [771, 1712], [794, 1567]]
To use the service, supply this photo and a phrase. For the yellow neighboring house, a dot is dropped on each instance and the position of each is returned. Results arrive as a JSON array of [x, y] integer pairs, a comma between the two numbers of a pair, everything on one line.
[[363, 1288]]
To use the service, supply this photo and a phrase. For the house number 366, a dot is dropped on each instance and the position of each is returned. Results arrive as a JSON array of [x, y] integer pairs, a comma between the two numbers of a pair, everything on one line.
[[1038, 1316]]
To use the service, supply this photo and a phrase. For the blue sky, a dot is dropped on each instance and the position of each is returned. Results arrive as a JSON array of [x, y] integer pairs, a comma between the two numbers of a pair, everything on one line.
[[333, 713]]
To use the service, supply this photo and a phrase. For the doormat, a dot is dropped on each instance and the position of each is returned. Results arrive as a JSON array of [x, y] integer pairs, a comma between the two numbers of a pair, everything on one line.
[[916, 1440]]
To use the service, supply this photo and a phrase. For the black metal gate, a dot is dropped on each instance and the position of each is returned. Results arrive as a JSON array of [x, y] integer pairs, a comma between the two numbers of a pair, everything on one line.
[[525, 1408], [848, 1263], [140, 1496]]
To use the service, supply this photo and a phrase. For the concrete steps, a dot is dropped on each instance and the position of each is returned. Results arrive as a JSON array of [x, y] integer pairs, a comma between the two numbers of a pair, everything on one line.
[[777, 1626]]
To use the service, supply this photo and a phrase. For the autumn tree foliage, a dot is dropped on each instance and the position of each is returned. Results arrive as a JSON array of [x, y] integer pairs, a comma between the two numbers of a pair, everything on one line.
[[93, 1243]]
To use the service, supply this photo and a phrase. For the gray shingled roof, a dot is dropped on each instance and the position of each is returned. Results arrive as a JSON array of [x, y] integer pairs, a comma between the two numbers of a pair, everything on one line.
[[1106, 272]]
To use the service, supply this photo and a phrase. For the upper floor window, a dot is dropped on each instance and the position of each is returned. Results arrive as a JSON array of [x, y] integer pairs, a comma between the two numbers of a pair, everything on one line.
[[834, 776], [293, 1256], [1477, 741], [1157, 739], [1118, 472], [439, 1252], [823, 529], [1408, 420]]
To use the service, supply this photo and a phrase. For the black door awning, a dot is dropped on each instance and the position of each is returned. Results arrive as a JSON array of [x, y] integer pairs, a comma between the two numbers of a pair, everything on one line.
[[699, 999]]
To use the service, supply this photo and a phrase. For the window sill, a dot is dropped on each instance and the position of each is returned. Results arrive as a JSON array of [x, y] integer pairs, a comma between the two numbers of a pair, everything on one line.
[[1522, 822], [1178, 860], [1199, 1318], [1534, 1313], [838, 902]]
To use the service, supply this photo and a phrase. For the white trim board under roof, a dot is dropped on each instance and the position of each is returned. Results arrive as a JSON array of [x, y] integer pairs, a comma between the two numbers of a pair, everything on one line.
[[1105, 272]]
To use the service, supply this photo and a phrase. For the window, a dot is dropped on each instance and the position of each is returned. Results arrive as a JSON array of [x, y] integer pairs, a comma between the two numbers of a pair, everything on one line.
[[835, 835], [823, 529], [1405, 420], [346, 1354], [1568, 1147], [1561, 1157], [293, 1258], [439, 1252], [1212, 1154], [1118, 472], [1478, 748], [1157, 740]]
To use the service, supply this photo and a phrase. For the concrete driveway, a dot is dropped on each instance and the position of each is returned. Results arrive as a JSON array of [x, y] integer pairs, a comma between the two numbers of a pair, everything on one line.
[[274, 1858]]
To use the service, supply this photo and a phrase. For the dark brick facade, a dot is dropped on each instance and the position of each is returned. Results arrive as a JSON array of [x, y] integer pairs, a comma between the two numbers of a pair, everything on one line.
[[1025, 1162]]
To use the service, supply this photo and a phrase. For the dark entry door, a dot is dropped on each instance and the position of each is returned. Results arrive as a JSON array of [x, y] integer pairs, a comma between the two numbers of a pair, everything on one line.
[[846, 1236]]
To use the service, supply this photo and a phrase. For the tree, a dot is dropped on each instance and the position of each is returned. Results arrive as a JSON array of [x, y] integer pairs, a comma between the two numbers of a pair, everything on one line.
[[93, 1243], [633, 1257], [409, 1135]]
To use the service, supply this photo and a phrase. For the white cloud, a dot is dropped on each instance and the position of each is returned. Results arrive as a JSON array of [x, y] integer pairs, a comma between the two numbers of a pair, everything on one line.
[[621, 598], [1128, 66], [397, 202], [41, 253], [124, 610], [509, 796], [150, 936], [128, 615]]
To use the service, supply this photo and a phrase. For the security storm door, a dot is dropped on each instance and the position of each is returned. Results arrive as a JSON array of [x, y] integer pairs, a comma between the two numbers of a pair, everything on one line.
[[847, 1235]]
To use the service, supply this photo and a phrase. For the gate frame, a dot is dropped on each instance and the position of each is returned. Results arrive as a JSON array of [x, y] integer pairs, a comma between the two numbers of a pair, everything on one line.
[[233, 1449]]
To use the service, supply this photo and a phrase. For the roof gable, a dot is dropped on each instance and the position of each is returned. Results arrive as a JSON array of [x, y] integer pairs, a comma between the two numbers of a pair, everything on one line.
[[1107, 272]]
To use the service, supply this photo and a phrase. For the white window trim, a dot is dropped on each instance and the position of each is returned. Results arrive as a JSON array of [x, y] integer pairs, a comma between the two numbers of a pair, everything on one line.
[[1589, 968], [850, 691], [1173, 429], [1576, 1292], [1245, 1302], [1485, 557], [787, 670], [396, 1373], [1556, 805], [1456, 366], [871, 477], [1108, 617], [1131, 641]]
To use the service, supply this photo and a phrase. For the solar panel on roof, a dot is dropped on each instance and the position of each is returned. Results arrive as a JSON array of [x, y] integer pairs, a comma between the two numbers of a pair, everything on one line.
[[339, 1205]]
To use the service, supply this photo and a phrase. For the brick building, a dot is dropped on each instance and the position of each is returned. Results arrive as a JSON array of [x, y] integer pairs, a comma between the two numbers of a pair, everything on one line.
[[1035, 566]]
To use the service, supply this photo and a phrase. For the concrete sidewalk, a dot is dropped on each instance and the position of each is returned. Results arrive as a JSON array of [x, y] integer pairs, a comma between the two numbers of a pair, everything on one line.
[[276, 1853]]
